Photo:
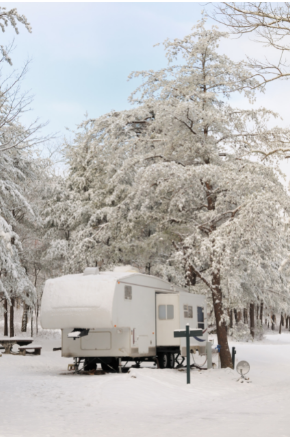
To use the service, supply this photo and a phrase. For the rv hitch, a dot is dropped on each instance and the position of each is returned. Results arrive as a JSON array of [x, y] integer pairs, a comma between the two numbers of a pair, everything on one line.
[[77, 333]]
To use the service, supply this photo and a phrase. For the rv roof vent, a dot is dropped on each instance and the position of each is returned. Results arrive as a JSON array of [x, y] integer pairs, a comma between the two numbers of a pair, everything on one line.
[[91, 271]]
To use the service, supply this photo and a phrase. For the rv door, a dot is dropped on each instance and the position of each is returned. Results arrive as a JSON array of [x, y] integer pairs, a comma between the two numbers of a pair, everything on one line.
[[167, 319]]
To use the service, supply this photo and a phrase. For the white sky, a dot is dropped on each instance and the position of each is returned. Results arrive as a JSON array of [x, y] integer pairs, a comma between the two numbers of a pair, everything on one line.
[[82, 54]]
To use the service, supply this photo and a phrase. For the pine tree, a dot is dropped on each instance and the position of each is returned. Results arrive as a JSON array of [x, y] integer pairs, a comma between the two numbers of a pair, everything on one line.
[[17, 171], [174, 185]]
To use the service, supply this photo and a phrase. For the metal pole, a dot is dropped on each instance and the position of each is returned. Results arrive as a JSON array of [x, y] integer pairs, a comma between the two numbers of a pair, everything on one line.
[[187, 353], [76, 367], [209, 354], [233, 356]]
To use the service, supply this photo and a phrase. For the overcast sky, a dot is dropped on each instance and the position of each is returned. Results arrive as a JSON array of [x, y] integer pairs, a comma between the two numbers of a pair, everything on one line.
[[82, 54]]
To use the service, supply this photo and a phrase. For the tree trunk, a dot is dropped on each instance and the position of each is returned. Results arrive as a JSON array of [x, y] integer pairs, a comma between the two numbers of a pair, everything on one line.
[[245, 316], [24, 318], [225, 355], [5, 318], [261, 312], [190, 276], [37, 306], [231, 318], [239, 316], [36, 317], [252, 319], [287, 322], [147, 268], [12, 318], [281, 323], [273, 322], [31, 322], [257, 309]]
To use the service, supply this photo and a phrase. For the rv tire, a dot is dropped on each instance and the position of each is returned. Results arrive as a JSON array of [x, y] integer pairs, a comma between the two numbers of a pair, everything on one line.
[[171, 360], [163, 360]]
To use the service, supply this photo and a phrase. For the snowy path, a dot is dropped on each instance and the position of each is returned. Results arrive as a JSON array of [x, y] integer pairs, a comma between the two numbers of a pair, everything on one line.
[[36, 400]]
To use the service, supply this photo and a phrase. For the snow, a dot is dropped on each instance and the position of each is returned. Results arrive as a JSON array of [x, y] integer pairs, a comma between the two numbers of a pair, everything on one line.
[[74, 334], [31, 346], [39, 397], [78, 300]]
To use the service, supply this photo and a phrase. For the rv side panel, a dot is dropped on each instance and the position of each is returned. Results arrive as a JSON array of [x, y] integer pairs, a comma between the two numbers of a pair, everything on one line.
[[114, 342], [134, 307]]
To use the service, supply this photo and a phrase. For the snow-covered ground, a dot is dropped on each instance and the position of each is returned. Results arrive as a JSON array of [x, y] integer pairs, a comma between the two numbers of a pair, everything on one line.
[[38, 398]]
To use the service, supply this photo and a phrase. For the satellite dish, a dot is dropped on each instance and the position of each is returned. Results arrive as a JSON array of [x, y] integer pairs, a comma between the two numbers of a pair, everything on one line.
[[243, 367]]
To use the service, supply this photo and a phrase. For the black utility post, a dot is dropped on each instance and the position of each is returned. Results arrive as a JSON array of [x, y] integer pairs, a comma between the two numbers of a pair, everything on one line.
[[233, 356], [187, 354], [187, 333]]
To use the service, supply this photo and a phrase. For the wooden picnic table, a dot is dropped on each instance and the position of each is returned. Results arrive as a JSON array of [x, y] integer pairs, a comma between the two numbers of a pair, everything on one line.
[[9, 342], [33, 349]]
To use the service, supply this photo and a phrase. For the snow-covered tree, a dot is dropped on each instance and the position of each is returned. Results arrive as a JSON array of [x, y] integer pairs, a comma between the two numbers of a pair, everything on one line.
[[18, 176], [15, 169], [32, 234], [175, 186], [11, 17], [24, 187]]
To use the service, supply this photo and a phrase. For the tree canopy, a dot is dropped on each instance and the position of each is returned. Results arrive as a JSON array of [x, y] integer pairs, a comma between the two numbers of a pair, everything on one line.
[[176, 185]]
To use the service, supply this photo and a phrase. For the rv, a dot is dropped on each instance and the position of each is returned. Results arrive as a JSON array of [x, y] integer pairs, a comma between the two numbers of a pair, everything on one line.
[[109, 317]]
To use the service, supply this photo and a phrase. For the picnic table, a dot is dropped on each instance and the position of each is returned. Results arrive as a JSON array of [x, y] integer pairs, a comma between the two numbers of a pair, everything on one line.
[[9, 342], [33, 349]]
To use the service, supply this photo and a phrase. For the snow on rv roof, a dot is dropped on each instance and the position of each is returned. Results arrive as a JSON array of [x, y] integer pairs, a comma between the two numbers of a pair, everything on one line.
[[78, 300], [107, 275], [119, 275]]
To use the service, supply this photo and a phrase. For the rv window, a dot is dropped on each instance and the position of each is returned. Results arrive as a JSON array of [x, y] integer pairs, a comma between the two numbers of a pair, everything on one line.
[[166, 312], [200, 318], [128, 292], [170, 312], [162, 312], [188, 314]]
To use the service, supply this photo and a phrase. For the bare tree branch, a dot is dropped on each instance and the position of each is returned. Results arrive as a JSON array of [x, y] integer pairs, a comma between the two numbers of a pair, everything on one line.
[[270, 25]]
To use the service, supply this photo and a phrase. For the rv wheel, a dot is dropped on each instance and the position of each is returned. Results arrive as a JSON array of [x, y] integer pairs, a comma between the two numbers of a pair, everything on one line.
[[163, 360], [171, 361]]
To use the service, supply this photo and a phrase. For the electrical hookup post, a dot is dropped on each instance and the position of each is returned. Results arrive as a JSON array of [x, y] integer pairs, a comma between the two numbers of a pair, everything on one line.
[[187, 333]]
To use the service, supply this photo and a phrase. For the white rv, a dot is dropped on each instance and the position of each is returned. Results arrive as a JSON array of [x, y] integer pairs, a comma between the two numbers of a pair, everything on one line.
[[109, 317]]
